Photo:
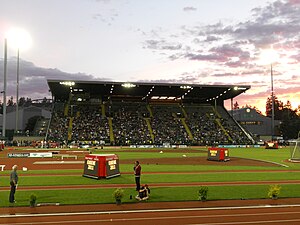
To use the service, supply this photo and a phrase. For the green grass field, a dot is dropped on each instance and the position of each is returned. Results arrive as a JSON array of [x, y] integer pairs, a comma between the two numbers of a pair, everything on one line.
[[104, 195]]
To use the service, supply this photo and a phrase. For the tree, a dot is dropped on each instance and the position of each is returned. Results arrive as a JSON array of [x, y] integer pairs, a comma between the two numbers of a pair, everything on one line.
[[1, 107], [290, 120], [252, 107], [290, 124], [21, 101], [45, 100], [236, 105], [31, 123], [288, 105], [10, 101], [278, 106], [28, 102], [298, 110]]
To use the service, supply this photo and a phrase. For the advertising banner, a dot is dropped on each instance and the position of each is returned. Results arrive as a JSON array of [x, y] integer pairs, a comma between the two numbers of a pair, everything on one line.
[[41, 155], [18, 155]]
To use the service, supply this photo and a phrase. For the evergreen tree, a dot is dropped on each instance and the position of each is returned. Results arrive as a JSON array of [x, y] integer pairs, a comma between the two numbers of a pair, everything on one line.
[[10, 101], [28, 102], [290, 124], [236, 105], [278, 106], [21, 101]]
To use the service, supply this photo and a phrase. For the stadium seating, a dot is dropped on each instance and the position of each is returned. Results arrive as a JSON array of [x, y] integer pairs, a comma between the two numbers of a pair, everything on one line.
[[130, 123]]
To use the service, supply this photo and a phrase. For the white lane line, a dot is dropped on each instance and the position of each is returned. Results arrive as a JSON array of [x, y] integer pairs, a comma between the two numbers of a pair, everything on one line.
[[250, 222], [147, 210], [173, 217]]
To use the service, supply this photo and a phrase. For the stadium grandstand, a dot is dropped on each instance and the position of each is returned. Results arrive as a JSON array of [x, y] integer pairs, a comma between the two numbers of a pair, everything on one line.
[[123, 114]]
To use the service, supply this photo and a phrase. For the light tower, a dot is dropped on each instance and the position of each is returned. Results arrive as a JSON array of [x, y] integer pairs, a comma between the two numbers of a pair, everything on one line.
[[20, 40]]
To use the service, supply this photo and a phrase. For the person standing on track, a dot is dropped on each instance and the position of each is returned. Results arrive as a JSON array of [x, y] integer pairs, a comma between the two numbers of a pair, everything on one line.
[[137, 173], [13, 183]]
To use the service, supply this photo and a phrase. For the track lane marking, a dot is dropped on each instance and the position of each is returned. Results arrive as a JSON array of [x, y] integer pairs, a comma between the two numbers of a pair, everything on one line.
[[170, 217], [148, 210], [249, 222]]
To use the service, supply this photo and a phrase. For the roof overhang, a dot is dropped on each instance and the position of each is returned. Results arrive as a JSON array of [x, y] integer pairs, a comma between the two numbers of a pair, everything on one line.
[[138, 91]]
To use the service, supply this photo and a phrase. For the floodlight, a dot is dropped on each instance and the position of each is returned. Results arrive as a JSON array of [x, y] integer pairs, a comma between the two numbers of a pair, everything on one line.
[[67, 83], [128, 85]]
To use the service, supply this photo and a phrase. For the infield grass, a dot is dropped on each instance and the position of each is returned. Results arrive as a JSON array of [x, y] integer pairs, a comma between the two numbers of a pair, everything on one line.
[[93, 196], [154, 178], [101, 196]]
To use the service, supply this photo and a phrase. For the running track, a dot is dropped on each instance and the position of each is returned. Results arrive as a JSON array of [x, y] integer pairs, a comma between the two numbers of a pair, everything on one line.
[[260, 215]]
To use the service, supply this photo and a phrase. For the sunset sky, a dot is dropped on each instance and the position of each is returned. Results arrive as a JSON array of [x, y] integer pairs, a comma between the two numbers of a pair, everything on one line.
[[178, 41]]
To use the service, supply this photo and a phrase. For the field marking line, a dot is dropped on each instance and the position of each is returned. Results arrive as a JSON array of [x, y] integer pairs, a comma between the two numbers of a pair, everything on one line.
[[261, 160], [249, 222], [147, 210], [172, 217], [193, 184]]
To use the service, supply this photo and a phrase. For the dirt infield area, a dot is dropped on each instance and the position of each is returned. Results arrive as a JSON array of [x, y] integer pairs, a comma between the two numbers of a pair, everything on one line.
[[71, 163], [202, 161]]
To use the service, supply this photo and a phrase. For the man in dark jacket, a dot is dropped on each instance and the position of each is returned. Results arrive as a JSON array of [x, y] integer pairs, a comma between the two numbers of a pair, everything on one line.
[[137, 173], [13, 183]]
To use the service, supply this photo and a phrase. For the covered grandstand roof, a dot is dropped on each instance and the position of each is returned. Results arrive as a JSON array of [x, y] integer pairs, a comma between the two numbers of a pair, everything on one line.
[[138, 91]]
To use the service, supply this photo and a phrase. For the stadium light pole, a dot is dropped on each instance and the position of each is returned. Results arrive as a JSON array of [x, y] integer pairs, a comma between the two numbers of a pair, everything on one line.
[[273, 104], [17, 94], [4, 89], [270, 56], [19, 39]]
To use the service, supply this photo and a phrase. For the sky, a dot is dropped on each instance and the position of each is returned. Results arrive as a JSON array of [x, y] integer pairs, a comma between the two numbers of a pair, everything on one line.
[[214, 42]]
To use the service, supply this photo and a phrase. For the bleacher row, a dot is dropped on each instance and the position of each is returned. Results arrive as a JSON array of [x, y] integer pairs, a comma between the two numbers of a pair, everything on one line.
[[140, 123]]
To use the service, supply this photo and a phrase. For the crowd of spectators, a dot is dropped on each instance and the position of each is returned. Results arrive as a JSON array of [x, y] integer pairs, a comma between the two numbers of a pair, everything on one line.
[[167, 126], [58, 130], [88, 125], [235, 132], [205, 130], [129, 125]]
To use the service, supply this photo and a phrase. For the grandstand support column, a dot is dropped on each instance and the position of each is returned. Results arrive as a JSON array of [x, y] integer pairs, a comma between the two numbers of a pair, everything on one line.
[[66, 110], [215, 104], [216, 112], [103, 110], [70, 128], [231, 101], [223, 129], [187, 128], [150, 128], [150, 110], [183, 111], [111, 131]]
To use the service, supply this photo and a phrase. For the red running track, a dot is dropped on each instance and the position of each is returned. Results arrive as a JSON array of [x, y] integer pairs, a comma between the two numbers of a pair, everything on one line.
[[260, 215]]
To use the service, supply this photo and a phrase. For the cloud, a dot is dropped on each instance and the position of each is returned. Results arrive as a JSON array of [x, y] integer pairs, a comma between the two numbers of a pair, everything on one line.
[[189, 9], [276, 24], [212, 38], [162, 45], [206, 57], [33, 79]]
